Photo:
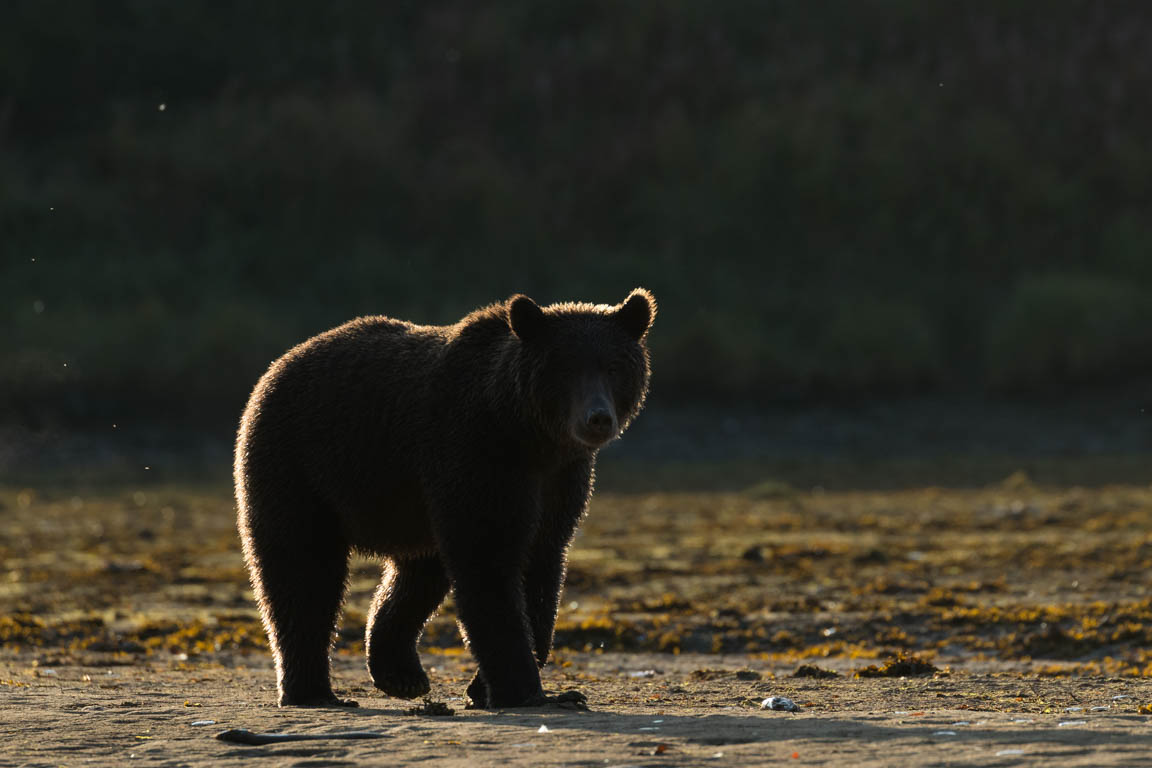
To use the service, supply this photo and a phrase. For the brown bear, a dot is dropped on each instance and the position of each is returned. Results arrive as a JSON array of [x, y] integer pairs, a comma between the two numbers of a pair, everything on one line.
[[462, 455]]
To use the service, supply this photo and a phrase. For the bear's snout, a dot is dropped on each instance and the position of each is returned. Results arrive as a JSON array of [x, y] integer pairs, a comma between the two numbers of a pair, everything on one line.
[[599, 422], [597, 427], [596, 423]]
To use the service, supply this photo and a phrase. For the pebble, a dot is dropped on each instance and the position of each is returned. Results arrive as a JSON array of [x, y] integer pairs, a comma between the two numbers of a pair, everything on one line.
[[779, 704]]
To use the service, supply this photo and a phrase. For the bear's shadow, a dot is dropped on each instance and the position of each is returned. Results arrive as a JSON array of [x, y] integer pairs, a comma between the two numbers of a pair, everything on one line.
[[729, 729]]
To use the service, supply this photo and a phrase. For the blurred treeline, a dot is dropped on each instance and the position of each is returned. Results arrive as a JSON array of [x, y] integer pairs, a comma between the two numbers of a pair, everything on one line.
[[846, 198]]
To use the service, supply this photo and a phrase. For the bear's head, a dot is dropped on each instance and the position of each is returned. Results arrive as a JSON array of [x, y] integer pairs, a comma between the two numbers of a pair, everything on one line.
[[584, 367]]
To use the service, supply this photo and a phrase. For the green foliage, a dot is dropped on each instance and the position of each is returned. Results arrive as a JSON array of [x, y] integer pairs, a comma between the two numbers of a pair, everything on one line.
[[825, 197], [1058, 329], [870, 344]]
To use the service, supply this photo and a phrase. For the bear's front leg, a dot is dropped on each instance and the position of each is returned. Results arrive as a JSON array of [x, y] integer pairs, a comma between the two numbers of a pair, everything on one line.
[[543, 579], [484, 532], [565, 500], [490, 606]]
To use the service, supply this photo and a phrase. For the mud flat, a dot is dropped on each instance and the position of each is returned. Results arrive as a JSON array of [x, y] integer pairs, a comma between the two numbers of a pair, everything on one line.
[[1002, 625]]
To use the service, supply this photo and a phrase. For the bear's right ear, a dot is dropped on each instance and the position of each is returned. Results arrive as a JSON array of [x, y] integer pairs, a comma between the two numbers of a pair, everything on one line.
[[525, 317]]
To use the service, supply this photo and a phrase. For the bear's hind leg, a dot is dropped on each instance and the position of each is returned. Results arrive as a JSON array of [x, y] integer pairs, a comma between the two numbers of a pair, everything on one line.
[[408, 595], [299, 579]]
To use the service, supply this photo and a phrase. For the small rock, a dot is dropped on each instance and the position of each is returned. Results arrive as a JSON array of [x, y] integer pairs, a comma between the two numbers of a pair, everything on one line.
[[779, 704]]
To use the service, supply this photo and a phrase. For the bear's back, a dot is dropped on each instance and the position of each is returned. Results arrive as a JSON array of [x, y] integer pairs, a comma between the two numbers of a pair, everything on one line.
[[344, 413], [361, 364]]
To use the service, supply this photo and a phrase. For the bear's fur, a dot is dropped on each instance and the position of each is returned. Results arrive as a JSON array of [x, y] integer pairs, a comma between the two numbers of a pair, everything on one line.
[[462, 455]]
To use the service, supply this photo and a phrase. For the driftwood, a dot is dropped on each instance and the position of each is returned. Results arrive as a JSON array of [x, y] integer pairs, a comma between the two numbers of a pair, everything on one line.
[[244, 736]]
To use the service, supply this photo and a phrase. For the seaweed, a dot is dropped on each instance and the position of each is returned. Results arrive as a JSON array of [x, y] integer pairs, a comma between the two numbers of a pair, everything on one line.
[[900, 666], [430, 708]]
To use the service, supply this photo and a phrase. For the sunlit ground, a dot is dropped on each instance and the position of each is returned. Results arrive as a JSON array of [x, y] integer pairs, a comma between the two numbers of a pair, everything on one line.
[[1012, 579]]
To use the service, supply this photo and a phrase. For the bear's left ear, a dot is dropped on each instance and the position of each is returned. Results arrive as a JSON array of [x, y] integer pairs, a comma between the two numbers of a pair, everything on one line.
[[637, 312], [525, 317]]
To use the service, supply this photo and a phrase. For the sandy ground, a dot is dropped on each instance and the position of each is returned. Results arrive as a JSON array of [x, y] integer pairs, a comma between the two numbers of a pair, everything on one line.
[[169, 713], [128, 635]]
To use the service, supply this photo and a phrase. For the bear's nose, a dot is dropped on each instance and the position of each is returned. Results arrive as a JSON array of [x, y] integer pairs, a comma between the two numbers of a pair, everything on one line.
[[599, 420]]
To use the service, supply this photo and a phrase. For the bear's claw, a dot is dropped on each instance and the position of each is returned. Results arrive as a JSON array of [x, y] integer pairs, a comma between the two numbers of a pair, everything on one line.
[[567, 700], [411, 684]]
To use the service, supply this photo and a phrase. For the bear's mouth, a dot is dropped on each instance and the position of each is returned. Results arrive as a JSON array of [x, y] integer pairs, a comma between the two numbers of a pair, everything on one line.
[[596, 436], [594, 443]]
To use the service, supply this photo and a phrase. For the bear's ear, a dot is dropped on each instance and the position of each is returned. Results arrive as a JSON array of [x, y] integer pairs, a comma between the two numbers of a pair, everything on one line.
[[637, 312], [525, 317]]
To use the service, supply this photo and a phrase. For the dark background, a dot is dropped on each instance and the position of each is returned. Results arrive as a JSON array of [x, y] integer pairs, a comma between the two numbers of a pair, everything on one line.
[[836, 204]]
